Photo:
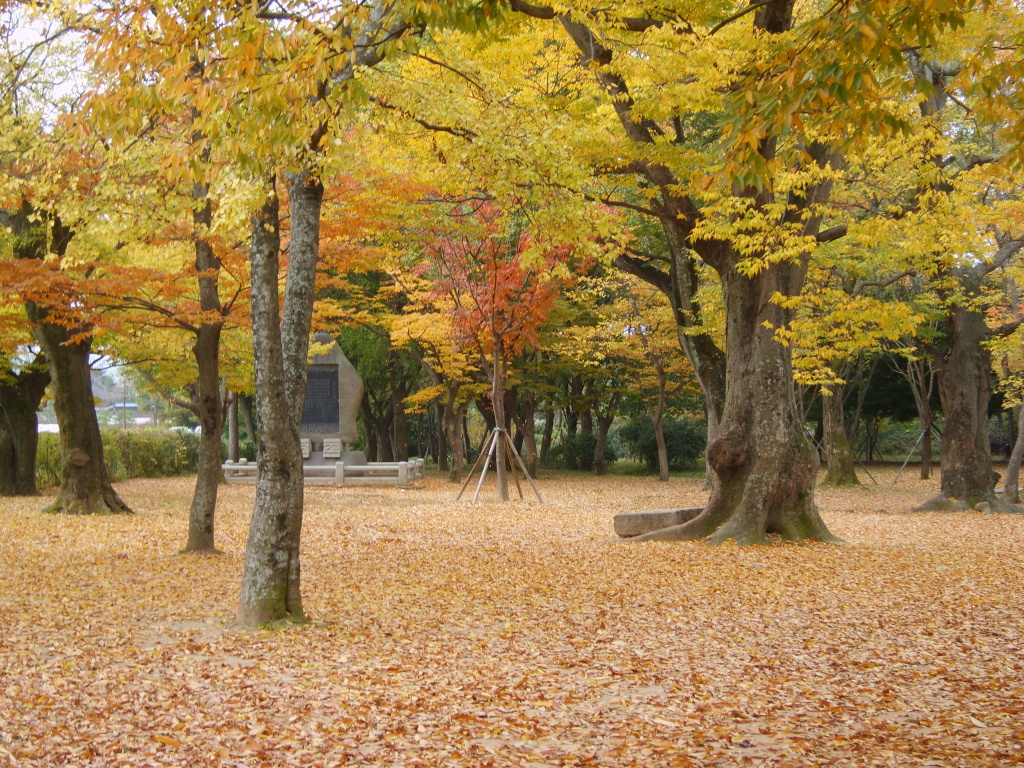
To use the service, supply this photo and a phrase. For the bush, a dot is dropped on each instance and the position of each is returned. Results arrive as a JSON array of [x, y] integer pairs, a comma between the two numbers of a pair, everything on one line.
[[247, 449], [128, 453], [577, 451], [685, 440]]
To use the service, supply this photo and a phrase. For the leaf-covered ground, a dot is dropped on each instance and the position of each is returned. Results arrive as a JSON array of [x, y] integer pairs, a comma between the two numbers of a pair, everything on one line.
[[447, 634]]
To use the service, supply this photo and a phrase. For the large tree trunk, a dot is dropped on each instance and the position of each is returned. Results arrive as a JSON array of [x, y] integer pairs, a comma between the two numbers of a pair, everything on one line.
[[838, 453], [963, 375], [208, 406], [20, 397], [271, 579], [85, 486], [765, 467]]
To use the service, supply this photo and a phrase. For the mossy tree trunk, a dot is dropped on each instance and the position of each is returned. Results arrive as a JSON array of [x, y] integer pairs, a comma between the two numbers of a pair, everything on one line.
[[964, 390], [764, 464]]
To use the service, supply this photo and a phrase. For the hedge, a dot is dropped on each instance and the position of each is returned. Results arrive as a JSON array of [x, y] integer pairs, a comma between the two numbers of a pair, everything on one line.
[[129, 453]]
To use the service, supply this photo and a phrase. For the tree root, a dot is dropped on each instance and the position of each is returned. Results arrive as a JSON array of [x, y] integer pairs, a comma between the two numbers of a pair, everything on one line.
[[991, 504], [106, 503]]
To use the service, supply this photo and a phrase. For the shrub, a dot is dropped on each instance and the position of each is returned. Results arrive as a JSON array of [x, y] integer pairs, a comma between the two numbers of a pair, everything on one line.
[[247, 449], [577, 451], [685, 440], [129, 453]]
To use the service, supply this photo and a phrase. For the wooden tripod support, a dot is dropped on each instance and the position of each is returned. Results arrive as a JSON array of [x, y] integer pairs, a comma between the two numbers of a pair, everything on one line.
[[489, 449]]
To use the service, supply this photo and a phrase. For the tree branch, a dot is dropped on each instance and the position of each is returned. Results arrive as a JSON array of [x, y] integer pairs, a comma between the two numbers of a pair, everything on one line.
[[832, 233], [880, 283], [462, 133], [643, 270]]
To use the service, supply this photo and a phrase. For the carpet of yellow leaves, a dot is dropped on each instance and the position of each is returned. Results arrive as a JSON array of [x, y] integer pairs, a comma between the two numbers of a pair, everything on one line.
[[447, 634]]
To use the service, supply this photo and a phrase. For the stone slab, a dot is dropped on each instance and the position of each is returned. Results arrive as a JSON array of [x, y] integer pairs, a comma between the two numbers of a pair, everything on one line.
[[632, 524]]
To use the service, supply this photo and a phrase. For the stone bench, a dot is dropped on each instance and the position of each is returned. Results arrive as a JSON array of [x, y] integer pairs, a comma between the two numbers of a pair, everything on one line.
[[378, 472], [400, 473], [632, 524]]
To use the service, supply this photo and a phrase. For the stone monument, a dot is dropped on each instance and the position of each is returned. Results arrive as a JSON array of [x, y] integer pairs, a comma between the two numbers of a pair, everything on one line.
[[334, 390]]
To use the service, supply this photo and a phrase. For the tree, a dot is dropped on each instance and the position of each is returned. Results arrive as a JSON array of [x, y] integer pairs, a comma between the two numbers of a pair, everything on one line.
[[67, 341], [328, 54], [46, 179], [500, 286], [955, 214], [759, 216]]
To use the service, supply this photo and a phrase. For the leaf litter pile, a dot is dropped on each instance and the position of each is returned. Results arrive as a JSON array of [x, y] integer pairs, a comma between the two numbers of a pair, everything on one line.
[[519, 634]]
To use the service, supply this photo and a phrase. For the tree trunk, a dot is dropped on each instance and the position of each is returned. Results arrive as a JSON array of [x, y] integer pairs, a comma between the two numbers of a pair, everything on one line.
[[442, 441], [20, 397], [85, 486], [455, 426], [707, 360], [604, 423], [838, 453], [233, 441], [963, 376], [208, 405], [926, 442], [765, 467], [245, 411], [1011, 485], [271, 581], [524, 425], [399, 422], [6, 459], [659, 438], [451, 438], [657, 419], [23, 426], [498, 404], [545, 441]]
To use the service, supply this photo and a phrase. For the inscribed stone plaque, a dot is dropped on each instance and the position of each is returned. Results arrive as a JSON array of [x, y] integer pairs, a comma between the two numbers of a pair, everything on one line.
[[320, 411]]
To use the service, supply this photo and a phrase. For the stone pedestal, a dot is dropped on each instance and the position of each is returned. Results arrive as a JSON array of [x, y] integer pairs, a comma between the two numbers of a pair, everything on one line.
[[334, 391]]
